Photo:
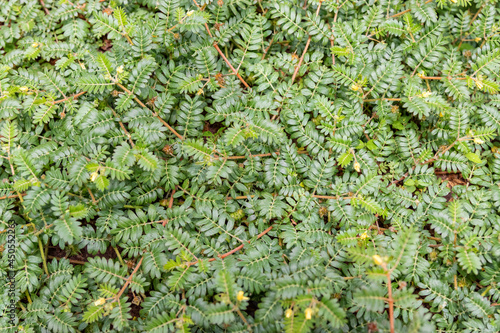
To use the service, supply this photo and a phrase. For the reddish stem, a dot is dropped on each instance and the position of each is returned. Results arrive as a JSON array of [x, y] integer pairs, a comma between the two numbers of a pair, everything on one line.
[[75, 96], [233, 250], [129, 280]]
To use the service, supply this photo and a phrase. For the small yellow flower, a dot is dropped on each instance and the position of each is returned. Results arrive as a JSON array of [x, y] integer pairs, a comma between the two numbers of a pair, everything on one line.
[[82, 65], [199, 92], [190, 13], [119, 70], [309, 313], [454, 1], [364, 236], [100, 301], [241, 296], [478, 141], [288, 313], [378, 260], [426, 94], [94, 176], [479, 84], [357, 166], [23, 88], [355, 87], [35, 45], [477, 39], [441, 114]]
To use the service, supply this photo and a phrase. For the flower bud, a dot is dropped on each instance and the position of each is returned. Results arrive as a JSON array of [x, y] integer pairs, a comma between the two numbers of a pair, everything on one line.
[[357, 166], [100, 301], [241, 296], [308, 313], [288, 313], [478, 141], [378, 260], [93, 176]]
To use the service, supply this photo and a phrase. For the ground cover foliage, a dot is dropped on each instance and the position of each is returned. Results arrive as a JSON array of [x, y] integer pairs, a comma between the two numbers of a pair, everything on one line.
[[239, 165]]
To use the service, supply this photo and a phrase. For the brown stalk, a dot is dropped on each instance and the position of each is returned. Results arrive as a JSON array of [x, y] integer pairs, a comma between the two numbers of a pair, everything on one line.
[[44, 8], [92, 196], [127, 134], [330, 197], [154, 113], [332, 41], [477, 13], [228, 63], [259, 155], [297, 68], [170, 204], [75, 96], [235, 72], [233, 250], [129, 280], [12, 196], [408, 10]]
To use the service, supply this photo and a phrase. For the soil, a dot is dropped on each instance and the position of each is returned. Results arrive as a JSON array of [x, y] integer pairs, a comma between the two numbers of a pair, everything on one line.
[[106, 44], [83, 255], [212, 128], [453, 179], [134, 308]]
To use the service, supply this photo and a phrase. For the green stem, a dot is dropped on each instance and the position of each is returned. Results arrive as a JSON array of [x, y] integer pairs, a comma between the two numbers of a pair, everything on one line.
[[119, 256], [42, 253], [21, 306], [130, 206], [486, 291]]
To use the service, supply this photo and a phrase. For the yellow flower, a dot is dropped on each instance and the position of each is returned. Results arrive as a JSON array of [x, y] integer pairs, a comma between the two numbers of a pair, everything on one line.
[[477, 39], [241, 296], [100, 301], [309, 313], [119, 70], [426, 94], [288, 313], [364, 236], [478, 141], [378, 260], [355, 87], [454, 1], [23, 89], [441, 114], [35, 45], [479, 84], [357, 166], [93, 176], [190, 13]]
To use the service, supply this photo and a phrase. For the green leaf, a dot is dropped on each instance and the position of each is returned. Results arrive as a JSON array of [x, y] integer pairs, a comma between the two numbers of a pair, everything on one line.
[[473, 157], [345, 159]]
